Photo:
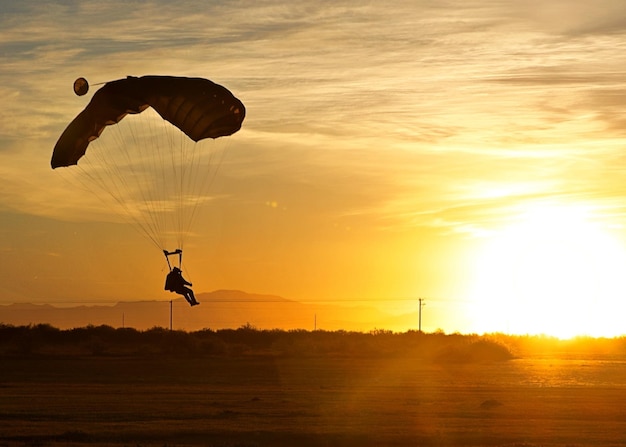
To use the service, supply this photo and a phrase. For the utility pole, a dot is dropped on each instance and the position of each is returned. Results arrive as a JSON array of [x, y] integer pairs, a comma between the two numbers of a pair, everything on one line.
[[422, 304]]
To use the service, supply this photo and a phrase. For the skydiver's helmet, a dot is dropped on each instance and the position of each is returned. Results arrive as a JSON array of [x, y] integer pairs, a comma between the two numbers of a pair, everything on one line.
[[176, 270]]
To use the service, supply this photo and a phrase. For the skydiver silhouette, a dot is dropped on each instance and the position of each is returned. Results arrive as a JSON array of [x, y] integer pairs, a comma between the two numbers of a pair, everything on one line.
[[174, 282]]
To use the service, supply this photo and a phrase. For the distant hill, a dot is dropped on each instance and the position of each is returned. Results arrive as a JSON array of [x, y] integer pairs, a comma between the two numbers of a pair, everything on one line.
[[220, 309]]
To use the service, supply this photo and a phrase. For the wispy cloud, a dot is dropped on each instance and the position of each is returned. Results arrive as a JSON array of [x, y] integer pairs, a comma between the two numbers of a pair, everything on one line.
[[387, 105]]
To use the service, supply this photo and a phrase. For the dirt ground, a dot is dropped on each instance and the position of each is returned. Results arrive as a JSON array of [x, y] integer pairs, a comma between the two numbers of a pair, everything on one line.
[[267, 400]]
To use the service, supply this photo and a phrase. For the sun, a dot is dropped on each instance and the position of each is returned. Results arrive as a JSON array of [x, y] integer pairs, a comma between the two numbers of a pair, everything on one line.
[[555, 271]]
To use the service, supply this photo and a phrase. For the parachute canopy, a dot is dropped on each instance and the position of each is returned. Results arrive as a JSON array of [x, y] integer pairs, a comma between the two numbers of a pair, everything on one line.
[[198, 107]]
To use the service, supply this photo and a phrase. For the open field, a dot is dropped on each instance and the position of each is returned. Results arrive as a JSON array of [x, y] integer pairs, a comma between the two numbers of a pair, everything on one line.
[[307, 399]]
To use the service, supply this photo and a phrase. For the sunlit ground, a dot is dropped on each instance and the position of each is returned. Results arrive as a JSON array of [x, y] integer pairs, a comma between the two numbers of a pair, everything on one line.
[[106, 387], [556, 271]]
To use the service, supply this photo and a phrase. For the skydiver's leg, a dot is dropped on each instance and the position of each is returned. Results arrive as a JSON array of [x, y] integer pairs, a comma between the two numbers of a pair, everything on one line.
[[186, 295], [192, 297]]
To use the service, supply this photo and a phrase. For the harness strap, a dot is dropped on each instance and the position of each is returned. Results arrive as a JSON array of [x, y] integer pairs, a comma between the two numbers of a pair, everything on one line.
[[178, 252]]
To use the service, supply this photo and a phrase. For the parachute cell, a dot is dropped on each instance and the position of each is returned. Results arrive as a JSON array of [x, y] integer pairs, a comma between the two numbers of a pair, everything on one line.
[[198, 107]]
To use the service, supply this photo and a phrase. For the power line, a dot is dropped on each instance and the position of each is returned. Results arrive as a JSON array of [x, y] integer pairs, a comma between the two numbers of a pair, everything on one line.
[[251, 300]]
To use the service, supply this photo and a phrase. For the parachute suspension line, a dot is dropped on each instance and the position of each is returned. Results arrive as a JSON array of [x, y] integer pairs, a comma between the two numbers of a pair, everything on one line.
[[158, 192], [100, 175], [204, 175], [156, 176], [146, 157], [87, 178], [126, 145], [194, 168], [186, 169], [155, 188], [190, 167], [129, 187], [138, 151], [179, 167]]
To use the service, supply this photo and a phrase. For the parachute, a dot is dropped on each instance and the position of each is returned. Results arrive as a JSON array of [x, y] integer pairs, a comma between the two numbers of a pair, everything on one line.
[[198, 107], [157, 157], [81, 86]]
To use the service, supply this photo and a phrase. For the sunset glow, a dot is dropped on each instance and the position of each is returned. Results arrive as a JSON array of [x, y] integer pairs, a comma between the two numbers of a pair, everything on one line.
[[554, 271], [467, 153]]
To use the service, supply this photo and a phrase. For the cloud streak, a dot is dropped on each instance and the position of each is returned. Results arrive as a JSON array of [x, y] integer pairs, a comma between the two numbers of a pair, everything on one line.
[[422, 78]]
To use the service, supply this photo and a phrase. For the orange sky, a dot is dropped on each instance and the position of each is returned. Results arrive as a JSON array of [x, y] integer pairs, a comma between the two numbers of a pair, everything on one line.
[[466, 153]]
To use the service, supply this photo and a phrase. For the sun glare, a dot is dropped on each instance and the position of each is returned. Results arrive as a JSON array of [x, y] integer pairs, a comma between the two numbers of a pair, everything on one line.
[[554, 272]]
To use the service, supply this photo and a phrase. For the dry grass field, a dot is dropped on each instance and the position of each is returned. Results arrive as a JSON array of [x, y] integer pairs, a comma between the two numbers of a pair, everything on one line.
[[272, 398]]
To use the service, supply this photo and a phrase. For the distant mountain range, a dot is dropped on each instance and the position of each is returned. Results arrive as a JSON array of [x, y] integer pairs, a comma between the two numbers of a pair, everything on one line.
[[218, 310]]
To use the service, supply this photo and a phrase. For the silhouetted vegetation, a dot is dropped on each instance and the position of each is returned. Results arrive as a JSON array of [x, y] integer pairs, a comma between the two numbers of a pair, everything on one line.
[[248, 386], [44, 339]]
